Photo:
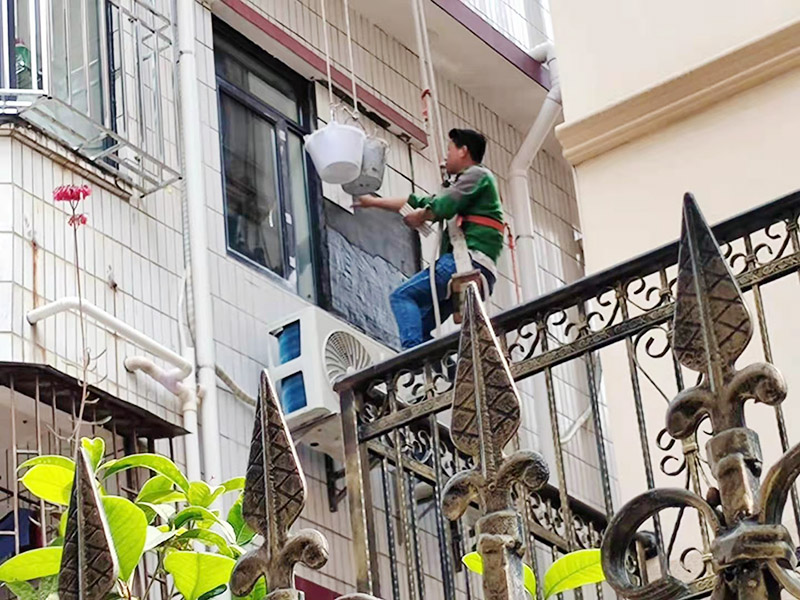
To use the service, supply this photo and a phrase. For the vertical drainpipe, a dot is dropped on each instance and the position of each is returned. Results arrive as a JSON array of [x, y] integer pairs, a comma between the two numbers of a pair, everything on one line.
[[523, 221], [195, 199]]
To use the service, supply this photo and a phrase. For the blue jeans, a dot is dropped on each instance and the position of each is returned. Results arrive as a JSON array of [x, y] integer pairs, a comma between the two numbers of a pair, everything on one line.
[[413, 307]]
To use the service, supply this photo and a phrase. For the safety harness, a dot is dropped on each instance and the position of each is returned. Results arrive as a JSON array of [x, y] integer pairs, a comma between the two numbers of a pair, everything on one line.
[[466, 272]]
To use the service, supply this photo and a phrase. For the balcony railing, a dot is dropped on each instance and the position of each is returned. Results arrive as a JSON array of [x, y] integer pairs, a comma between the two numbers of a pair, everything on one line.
[[399, 456], [99, 76]]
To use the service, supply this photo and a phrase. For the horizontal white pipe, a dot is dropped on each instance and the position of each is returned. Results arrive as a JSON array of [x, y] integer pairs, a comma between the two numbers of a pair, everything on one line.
[[73, 303]]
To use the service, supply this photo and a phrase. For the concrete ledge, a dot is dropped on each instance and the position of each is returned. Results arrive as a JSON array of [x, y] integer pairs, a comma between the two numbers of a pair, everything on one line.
[[675, 99]]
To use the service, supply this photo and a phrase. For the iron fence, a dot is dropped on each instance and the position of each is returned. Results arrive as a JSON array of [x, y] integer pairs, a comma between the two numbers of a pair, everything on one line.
[[399, 455]]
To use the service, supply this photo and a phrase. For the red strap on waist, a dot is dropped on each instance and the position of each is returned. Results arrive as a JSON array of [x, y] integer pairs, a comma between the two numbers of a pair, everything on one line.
[[485, 221]]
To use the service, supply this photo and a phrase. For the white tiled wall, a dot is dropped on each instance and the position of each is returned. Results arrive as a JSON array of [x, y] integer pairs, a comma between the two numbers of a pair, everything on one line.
[[138, 243]]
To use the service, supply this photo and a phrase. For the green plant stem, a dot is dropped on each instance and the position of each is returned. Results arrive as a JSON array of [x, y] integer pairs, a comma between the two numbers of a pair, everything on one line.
[[82, 321], [153, 576]]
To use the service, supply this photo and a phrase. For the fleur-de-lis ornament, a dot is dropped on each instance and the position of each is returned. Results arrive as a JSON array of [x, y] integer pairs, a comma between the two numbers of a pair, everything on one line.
[[274, 496], [88, 564], [486, 415], [752, 553]]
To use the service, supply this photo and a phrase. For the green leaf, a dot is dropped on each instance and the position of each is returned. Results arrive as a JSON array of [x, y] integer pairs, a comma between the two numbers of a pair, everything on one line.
[[213, 593], [128, 527], [198, 514], [573, 570], [95, 448], [241, 530], [474, 562], [22, 590], [258, 593], [155, 462], [211, 538], [234, 485], [155, 488], [48, 588], [201, 494], [204, 518], [196, 573], [62, 524], [33, 564], [51, 483], [156, 537], [151, 511], [49, 459]]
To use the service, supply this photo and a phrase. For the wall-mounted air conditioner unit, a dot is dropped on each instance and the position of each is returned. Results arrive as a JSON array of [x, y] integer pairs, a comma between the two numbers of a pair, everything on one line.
[[310, 350]]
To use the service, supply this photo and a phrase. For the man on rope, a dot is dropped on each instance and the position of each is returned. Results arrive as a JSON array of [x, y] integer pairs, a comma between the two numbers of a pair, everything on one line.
[[472, 198]]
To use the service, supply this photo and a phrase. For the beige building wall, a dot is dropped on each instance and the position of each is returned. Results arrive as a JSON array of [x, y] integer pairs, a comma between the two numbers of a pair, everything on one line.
[[660, 100], [609, 53]]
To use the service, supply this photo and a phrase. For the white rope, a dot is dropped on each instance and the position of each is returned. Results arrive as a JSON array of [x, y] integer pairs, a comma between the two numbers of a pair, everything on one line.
[[424, 74], [327, 58], [350, 54], [437, 115]]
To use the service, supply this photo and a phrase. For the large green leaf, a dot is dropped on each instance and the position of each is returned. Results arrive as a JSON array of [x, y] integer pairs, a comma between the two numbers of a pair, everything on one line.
[[33, 564], [573, 570], [211, 538], [128, 527], [474, 562], [95, 448], [51, 483], [201, 494], [49, 459], [241, 530], [155, 462], [196, 573]]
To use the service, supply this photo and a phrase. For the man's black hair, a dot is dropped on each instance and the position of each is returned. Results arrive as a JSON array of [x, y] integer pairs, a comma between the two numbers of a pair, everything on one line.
[[474, 141]]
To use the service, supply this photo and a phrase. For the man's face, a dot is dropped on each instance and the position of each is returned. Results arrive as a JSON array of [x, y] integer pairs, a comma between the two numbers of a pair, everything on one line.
[[457, 158]]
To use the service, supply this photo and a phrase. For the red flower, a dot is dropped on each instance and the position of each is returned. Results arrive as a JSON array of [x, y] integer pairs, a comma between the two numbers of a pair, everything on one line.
[[71, 193], [77, 220]]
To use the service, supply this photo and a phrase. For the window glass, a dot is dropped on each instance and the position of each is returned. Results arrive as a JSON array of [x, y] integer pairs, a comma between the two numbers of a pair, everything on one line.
[[254, 216], [268, 220], [241, 70], [302, 220]]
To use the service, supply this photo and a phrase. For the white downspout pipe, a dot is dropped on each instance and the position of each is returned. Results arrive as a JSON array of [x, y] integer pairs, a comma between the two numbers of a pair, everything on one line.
[[523, 220], [183, 367], [518, 174], [194, 188]]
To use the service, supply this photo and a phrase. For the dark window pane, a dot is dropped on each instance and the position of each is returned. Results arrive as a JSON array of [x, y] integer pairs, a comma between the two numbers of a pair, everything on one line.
[[251, 188], [241, 70]]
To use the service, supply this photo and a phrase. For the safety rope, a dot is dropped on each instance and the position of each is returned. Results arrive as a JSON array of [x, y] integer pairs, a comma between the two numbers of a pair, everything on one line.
[[326, 38], [428, 89], [350, 56]]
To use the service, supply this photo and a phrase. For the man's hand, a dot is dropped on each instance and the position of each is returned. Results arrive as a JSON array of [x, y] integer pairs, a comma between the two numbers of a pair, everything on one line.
[[417, 218], [367, 201]]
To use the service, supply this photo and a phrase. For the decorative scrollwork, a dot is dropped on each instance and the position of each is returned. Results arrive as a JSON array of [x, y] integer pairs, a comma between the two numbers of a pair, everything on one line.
[[752, 553]]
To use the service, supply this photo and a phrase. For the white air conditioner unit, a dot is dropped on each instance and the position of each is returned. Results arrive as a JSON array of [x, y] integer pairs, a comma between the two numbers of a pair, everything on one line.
[[310, 350]]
